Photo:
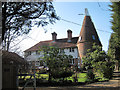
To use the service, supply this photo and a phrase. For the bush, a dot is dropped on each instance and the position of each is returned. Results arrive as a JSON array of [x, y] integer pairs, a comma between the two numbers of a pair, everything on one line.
[[90, 75], [62, 74], [105, 70], [99, 61], [108, 70]]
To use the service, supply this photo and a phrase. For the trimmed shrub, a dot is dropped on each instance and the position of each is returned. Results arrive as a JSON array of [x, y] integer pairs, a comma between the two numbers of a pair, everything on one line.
[[62, 74]]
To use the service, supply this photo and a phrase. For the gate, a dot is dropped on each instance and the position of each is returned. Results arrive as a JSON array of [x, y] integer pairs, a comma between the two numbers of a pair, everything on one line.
[[28, 81]]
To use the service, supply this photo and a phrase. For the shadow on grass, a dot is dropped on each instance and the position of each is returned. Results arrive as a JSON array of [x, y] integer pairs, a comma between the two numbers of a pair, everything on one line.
[[57, 84], [53, 84]]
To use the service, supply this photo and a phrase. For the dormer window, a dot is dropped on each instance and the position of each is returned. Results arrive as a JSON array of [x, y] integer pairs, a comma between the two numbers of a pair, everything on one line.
[[80, 38], [99, 38], [93, 37]]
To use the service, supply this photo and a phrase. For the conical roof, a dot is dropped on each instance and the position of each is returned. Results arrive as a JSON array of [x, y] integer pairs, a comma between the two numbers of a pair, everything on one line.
[[88, 32], [87, 37]]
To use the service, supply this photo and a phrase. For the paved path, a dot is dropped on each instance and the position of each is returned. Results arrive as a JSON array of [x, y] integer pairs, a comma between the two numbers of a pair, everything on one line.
[[113, 84]]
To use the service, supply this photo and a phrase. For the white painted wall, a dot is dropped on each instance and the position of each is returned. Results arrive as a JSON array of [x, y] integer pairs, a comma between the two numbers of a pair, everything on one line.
[[74, 54], [35, 57]]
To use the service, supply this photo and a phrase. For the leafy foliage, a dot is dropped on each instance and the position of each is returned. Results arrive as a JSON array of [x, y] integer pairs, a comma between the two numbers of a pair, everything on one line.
[[19, 17], [115, 8], [62, 74], [99, 61], [90, 75], [58, 63], [93, 55], [105, 69], [114, 42]]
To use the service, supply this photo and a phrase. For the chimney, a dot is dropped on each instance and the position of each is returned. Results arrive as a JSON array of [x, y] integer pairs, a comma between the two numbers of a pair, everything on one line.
[[69, 32], [54, 36]]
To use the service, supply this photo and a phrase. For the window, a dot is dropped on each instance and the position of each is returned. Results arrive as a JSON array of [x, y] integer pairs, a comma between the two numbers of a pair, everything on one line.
[[98, 38], [29, 62], [37, 52], [93, 37], [80, 38], [70, 61], [72, 49], [37, 63], [73, 61], [61, 50], [29, 53]]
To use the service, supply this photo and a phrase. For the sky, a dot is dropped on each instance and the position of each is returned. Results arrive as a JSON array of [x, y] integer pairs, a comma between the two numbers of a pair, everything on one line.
[[100, 15]]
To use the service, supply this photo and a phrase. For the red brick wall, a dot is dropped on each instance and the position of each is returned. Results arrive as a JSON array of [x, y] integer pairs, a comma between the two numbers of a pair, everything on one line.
[[83, 47]]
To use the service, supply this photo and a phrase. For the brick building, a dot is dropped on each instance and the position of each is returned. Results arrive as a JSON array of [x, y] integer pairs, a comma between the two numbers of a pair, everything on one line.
[[75, 46]]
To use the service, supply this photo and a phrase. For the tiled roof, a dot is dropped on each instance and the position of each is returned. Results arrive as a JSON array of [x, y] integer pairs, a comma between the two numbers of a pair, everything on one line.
[[7, 57], [88, 31], [73, 40], [61, 43]]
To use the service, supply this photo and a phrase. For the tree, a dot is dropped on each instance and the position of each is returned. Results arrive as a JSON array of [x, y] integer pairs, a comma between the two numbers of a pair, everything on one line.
[[114, 42], [93, 55], [99, 61], [58, 63], [19, 17]]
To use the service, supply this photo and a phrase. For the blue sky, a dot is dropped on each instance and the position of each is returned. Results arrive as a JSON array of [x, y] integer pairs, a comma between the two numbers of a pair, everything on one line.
[[98, 11]]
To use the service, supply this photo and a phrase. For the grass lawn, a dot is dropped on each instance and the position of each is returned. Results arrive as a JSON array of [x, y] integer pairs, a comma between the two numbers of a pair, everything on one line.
[[37, 76], [81, 77]]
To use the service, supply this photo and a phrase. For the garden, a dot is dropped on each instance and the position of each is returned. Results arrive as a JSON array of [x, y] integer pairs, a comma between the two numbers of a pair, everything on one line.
[[97, 66], [79, 78]]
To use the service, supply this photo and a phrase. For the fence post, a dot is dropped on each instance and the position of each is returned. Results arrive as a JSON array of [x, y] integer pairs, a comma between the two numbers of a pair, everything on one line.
[[34, 79], [17, 80]]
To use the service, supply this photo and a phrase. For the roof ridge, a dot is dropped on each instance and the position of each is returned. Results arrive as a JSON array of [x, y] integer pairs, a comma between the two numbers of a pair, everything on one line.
[[67, 38], [62, 41]]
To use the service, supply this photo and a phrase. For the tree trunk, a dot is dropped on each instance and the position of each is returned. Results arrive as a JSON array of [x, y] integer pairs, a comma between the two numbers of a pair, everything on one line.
[[3, 21], [49, 79]]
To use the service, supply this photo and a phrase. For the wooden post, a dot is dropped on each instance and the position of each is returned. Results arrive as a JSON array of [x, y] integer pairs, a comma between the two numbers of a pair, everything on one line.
[[34, 79], [17, 80], [116, 66]]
